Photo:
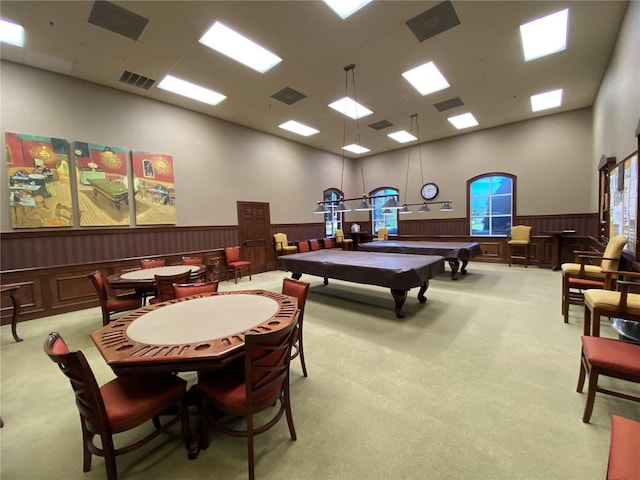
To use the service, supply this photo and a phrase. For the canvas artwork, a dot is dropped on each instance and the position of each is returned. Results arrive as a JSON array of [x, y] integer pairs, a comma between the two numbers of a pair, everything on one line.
[[39, 184], [153, 184], [101, 180]]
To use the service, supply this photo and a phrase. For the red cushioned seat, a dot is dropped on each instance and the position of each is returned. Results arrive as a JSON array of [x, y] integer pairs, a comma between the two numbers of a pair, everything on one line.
[[624, 449]]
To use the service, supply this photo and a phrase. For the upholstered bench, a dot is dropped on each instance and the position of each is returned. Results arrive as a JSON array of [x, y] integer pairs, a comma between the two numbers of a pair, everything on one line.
[[609, 357], [624, 449]]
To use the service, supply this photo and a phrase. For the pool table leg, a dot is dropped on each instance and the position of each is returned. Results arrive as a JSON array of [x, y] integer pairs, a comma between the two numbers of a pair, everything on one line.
[[463, 270], [454, 264], [399, 296]]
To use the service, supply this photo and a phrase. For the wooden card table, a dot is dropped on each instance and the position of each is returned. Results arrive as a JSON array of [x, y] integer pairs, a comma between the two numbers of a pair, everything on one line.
[[144, 279], [194, 333]]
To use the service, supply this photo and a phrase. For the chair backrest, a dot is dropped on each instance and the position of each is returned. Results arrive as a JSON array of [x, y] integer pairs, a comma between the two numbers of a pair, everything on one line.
[[152, 262], [521, 233], [328, 242], [266, 366], [298, 289], [164, 284], [383, 233], [181, 290], [211, 271], [101, 288], [612, 252], [232, 254], [303, 246], [314, 244], [339, 236], [280, 240], [74, 365], [192, 260]]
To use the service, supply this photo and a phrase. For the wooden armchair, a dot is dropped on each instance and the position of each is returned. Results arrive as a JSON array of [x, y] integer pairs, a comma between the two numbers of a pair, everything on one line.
[[383, 234], [282, 244]]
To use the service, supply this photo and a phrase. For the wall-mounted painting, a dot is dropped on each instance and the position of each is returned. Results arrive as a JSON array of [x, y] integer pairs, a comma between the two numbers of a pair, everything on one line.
[[101, 179], [39, 186], [153, 183]]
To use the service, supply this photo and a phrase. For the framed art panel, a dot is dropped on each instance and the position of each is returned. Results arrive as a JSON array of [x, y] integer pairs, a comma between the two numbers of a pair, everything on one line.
[[39, 183], [153, 183], [101, 181]]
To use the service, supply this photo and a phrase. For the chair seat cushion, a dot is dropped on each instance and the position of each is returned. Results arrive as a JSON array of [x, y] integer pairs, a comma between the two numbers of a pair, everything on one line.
[[128, 302], [128, 400], [624, 461], [584, 283], [290, 248], [609, 299], [589, 270], [518, 242], [229, 388], [239, 263], [612, 354]]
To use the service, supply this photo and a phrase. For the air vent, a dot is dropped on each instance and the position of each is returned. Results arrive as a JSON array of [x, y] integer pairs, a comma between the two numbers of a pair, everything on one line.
[[381, 124], [117, 19], [136, 80], [289, 96], [434, 21], [449, 104]]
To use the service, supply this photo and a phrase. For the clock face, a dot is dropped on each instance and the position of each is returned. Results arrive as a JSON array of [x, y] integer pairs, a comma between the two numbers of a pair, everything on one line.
[[429, 191]]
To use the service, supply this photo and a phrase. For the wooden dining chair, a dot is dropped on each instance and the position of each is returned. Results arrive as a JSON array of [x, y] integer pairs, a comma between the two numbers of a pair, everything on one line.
[[314, 244], [303, 246], [299, 290], [245, 392], [235, 264], [519, 243], [119, 405], [192, 261], [117, 304], [181, 290], [164, 286], [152, 262]]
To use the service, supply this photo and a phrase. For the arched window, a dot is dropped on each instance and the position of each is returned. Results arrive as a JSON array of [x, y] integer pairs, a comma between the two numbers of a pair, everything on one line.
[[333, 219], [384, 218], [491, 204]]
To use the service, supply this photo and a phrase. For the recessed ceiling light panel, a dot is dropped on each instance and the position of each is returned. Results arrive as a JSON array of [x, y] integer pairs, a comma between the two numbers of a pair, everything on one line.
[[465, 120], [190, 90], [546, 100], [402, 136], [350, 108], [344, 8], [230, 43], [426, 79], [11, 33], [356, 148], [299, 128], [545, 35]]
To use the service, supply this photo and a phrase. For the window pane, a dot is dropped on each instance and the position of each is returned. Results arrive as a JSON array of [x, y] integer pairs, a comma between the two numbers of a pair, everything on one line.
[[480, 226], [501, 205], [479, 206], [500, 185], [480, 187], [499, 225]]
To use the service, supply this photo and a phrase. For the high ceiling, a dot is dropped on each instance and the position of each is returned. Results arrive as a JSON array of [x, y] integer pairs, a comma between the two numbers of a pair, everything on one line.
[[481, 58]]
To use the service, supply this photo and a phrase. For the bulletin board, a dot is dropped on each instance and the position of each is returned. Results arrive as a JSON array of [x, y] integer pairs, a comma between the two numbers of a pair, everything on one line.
[[623, 188]]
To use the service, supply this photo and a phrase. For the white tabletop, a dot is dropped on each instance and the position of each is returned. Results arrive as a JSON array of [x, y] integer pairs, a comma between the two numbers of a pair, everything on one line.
[[150, 273], [201, 319]]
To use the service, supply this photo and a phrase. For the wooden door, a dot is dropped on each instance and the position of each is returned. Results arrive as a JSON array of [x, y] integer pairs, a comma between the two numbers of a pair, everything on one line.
[[255, 234]]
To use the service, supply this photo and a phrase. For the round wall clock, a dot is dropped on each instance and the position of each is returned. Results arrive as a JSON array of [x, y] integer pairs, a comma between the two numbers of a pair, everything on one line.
[[429, 191]]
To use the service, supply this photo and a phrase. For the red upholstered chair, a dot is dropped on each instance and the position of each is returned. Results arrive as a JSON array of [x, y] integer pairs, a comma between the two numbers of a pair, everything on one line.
[[152, 262], [192, 261], [300, 290], [314, 244], [624, 461], [212, 271], [258, 387], [303, 246], [232, 256], [116, 304], [181, 290], [611, 358], [330, 243], [164, 286], [117, 406]]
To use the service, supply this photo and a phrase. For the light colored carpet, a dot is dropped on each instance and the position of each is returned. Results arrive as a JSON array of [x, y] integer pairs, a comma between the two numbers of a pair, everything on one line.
[[479, 383]]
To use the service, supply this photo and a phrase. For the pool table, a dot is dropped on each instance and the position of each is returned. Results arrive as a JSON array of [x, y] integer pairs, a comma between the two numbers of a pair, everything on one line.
[[115, 192], [397, 272], [453, 252]]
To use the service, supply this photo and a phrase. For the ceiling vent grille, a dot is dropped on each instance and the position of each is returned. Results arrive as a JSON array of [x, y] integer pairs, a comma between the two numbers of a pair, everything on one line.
[[288, 95], [136, 80], [117, 19], [449, 104], [381, 124], [434, 21]]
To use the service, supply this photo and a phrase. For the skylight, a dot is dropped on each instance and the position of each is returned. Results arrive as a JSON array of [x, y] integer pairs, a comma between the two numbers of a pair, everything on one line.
[[230, 43], [402, 136], [465, 120], [546, 100], [350, 108], [299, 128], [11, 33], [356, 148], [545, 35], [344, 8], [190, 90], [426, 79]]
